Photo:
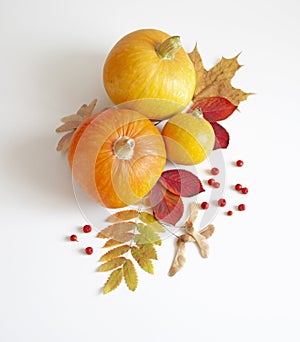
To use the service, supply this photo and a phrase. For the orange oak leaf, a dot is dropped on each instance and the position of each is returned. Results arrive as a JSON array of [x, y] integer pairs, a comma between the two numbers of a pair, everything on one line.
[[217, 80]]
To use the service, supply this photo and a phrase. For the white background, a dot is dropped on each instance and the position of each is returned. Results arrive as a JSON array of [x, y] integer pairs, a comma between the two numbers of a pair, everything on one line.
[[52, 53]]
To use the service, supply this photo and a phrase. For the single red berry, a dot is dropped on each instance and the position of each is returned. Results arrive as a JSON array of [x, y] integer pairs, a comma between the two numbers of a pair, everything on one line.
[[73, 238], [214, 171], [239, 163], [87, 228], [241, 207], [229, 213], [222, 202], [244, 191], [211, 181], [216, 185], [89, 250], [238, 187], [204, 205]]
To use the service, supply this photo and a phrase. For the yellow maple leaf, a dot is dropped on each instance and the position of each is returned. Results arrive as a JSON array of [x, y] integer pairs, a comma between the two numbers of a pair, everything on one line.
[[217, 80]]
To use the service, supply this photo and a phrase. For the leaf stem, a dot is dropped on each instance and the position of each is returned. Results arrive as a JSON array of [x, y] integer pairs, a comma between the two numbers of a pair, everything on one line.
[[168, 48]]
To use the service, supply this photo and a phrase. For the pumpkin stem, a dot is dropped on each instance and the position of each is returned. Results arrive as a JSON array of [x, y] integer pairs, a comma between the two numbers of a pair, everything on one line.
[[124, 147], [197, 113], [168, 48]]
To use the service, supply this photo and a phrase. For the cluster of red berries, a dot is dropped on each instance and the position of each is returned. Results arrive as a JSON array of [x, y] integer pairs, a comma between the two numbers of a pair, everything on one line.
[[86, 229], [222, 201]]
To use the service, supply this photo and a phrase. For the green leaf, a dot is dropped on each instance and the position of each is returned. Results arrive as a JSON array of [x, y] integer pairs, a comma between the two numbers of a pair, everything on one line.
[[151, 221], [148, 251], [114, 253], [124, 215], [111, 264], [130, 275], [113, 281], [144, 262], [147, 235]]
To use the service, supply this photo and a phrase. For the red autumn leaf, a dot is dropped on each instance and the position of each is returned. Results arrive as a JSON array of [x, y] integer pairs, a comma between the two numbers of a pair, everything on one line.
[[181, 182], [215, 108], [166, 206], [222, 136]]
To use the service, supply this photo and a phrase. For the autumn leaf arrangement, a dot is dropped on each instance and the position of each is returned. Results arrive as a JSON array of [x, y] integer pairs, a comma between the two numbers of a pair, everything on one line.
[[133, 234]]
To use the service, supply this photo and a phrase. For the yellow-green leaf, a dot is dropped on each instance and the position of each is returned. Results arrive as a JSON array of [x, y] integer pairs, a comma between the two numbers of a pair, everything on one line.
[[118, 231], [147, 235], [130, 275], [151, 221], [144, 263], [148, 251], [114, 253], [124, 215], [111, 264], [113, 281]]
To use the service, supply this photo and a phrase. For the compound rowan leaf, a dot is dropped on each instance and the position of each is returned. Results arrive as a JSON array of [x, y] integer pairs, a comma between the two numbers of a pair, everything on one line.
[[114, 253], [112, 243], [124, 215], [147, 235], [111, 264], [181, 182], [144, 262], [113, 281], [130, 275], [222, 136], [215, 108], [151, 221], [217, 80], [167, 206]]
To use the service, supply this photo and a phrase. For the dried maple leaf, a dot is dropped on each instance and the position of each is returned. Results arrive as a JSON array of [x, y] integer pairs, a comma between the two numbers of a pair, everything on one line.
[[217, 80], [70, 124]]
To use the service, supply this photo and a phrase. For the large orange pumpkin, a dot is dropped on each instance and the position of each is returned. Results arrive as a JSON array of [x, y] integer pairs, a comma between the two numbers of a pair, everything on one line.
[[149, 64], [117, 156]]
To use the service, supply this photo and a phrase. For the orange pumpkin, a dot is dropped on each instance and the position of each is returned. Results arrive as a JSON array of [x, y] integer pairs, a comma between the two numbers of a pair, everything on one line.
[[149, 64], [117, 156]]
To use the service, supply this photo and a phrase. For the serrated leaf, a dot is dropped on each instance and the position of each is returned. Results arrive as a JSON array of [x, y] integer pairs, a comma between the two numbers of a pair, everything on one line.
[[147, 235], [114, 253], [217, 80], [111, 264], [222, 136], [215, 108], [113, 281], [208, 231], [64, 143], [151, 221], [130, 275], [111, 243], [118, 231], [68, 126], [181, 182], [148, 251], [144, 263], [123, 216], [167, 207]]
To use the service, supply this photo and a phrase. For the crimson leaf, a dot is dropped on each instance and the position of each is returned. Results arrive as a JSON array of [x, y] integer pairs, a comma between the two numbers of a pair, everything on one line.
[[215, 108], [222, 136], [181, 182], [166, 206]]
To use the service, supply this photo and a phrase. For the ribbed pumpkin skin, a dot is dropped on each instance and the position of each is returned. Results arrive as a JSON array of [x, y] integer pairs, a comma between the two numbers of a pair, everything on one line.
[[133, 71], [113, 182]]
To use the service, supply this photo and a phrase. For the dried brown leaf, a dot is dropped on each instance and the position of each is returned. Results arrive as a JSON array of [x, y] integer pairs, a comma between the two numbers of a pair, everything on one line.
[[217, 80], [118, 231], [130, 275], [113, 281], [111, 264], [123, 216], [64, 143], [114, 253]]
